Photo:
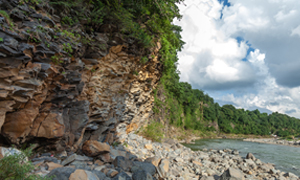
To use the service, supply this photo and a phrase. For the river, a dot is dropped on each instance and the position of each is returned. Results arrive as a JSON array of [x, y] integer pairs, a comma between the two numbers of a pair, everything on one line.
[[285, 158]]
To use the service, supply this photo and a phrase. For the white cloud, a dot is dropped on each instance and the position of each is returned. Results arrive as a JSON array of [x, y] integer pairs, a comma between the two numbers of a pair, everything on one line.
[[281, 16], [209, 52], [212, 57], [296, 31]]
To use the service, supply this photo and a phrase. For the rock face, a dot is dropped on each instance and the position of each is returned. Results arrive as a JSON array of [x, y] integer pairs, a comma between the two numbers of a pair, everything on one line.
[[56, 88]]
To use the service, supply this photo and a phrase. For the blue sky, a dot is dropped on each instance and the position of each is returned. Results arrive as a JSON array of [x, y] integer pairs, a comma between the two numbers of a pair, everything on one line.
[[225, 3], [245, 53]]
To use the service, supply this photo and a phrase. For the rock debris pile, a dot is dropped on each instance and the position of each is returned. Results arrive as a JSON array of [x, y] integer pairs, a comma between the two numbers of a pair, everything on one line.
[[137, 158]]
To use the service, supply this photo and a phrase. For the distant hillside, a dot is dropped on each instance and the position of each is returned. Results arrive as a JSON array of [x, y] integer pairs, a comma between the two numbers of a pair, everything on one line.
[[191, 108]]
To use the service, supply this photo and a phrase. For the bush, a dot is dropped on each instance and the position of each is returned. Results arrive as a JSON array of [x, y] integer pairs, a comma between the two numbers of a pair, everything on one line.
[[153, 131], [17, 167]]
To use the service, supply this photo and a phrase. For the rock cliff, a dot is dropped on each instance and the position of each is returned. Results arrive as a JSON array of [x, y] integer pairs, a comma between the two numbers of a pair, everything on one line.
[[61, 86]]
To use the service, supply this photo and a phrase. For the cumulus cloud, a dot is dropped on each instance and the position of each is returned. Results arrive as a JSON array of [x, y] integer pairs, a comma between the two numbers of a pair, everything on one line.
[[272, 27], [210, 58], [246, 53]]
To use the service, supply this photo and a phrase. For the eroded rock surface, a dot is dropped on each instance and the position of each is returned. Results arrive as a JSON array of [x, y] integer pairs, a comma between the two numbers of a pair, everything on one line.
[[58, 91]]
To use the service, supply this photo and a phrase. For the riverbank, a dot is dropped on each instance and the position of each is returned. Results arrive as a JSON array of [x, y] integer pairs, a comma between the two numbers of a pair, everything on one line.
[[136, 158], [175, 161], [188, 136], [294, 143]]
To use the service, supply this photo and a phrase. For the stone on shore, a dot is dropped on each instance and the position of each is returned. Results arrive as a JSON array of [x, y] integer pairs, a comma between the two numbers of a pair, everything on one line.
[[52, 165], [94, 148], [61, 173], [163, 168], [122, 163], [232, 174], [250, 156], [122, 176], [81, 174], [141, 175], [148, 167]]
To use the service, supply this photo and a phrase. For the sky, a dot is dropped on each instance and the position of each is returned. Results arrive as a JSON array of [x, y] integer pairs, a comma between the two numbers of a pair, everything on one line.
[[243, 52]]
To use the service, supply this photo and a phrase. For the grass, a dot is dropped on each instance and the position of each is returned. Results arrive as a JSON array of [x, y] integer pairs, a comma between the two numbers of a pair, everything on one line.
[[144, 60], [6, 16], [56, 59], [153, 131]]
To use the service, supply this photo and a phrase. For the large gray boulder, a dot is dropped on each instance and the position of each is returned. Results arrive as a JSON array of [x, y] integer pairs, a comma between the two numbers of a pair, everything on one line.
[[61, 173], [146, 166], [141, 175], [232, 174], [250, 156], [122, 176], [122, 163]]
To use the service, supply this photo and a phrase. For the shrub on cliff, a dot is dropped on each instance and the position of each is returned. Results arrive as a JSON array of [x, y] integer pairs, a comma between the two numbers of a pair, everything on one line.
[[17, 167], [153, 131]]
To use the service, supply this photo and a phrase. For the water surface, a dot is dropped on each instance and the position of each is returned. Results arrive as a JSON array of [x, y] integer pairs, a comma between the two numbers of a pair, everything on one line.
[[285, 158]]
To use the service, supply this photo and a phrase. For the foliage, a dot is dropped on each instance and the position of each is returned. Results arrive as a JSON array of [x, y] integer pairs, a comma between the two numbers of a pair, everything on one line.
[[199, 108], [17, 167], [144, 60], [1, 39], [68, 48], [143, 20], [34, 2], [153, 131], [68, 34], [56, 59], [135, 73], [6, 16]]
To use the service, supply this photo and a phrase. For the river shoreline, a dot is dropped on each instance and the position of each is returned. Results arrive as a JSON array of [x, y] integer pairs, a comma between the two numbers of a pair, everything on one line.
[[294, 143], [175, 161], [136, 158], [250, 138]]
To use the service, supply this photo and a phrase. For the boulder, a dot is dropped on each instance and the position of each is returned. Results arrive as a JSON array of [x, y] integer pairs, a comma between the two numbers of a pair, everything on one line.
[[148, 146], [122, 163], [76, 157], [61, 173], [250, 156], [52, 165], [207, 178], [81, 174], [163, 168], [122, 176], [46, 159], [141, 175], [95, 148], [154, 160], [100, 175], [8, 151], [232, 174], [235, 152], [148, 167]]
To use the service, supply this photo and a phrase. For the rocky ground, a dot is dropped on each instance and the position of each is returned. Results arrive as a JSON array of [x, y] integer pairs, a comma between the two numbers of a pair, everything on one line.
[[295, 143], [137, 158]]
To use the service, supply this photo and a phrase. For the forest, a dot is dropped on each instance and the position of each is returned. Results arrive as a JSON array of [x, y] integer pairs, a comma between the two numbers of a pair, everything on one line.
[[193, 109]]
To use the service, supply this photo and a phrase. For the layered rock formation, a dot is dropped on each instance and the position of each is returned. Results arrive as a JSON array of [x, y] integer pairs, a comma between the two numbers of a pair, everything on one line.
[[61, 86]]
